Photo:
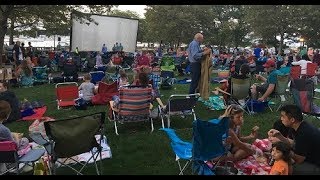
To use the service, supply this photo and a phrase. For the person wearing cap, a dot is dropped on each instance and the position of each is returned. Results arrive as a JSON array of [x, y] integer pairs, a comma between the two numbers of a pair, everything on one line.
[[269, 84]]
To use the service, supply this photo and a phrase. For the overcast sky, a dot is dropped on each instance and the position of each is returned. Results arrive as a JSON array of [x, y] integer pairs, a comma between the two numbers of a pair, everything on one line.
[[137, 8]]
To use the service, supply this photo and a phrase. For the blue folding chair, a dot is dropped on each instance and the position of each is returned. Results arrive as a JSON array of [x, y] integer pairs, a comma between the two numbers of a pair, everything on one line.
[[208, 138], [207, 144], [182, 149], [97, 76]]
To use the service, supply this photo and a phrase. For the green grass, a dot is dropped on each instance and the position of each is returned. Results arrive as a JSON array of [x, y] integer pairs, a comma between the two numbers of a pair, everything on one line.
[[136, 151]]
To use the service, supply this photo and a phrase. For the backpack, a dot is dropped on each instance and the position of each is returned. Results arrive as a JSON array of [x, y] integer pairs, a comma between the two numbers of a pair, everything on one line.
[[167, 83]]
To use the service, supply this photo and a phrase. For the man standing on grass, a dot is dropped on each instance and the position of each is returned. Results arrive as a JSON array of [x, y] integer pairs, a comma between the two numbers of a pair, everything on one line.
[[195, 55]]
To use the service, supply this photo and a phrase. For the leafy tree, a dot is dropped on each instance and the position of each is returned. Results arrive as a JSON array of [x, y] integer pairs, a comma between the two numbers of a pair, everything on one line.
[[127, 14], [309, 24], [270, 21]]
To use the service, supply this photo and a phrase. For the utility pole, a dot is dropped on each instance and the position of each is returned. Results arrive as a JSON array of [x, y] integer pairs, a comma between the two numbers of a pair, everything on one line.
[[54, 42]]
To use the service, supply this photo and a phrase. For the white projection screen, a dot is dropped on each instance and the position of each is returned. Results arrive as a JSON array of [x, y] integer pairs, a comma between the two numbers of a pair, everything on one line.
[[109, 31]]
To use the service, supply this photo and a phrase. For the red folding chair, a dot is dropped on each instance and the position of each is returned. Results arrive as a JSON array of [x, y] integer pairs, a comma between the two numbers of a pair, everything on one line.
[[311, 69], [66, 94], [295, 72], [105, 93]]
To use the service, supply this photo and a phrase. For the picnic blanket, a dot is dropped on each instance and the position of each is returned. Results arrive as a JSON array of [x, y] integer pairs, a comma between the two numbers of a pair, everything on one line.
[[184, 81], [39, 112], [216, 80], [256, 164], [106, 153], [214, 103]]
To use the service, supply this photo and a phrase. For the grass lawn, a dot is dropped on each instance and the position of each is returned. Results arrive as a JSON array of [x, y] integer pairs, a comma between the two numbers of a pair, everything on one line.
[[136, 151]]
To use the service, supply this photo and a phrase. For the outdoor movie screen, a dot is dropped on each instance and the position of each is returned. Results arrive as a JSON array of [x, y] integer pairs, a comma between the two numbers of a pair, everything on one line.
[[108, 31]]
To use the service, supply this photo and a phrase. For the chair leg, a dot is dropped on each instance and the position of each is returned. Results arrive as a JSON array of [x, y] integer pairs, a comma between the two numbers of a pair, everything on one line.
[[194, 115], [168, 120], [161, 115], [115, 127], [184, 167], [151, 121]]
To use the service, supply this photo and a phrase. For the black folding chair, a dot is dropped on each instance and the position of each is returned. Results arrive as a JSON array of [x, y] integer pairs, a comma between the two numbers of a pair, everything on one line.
[[177, 103], [71, 137]]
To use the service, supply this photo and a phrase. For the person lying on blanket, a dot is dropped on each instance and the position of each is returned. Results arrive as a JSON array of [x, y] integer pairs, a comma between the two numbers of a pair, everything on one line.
[[239, 149]]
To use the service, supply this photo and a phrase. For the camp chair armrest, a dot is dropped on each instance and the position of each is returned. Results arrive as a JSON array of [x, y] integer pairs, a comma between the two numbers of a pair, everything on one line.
[[117, 110], [113, 108], [222, 91], [160, 103]]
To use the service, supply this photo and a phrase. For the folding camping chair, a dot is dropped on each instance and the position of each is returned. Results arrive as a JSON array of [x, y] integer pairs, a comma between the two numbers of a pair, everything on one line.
[[182, 149], [311, 69], [207, 144], [239, 91], [96, 76], [105, 93], [9, 154], [167, 67], [177, 103], [167, 63], [295, 72], [40, 74], [66, 94], [280, 89], [311, 73], [208, 139], [303, 94], [71, 137], [134, 106]]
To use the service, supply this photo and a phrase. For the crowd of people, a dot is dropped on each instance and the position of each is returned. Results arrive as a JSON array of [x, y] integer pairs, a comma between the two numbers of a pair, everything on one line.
[[295, 148]]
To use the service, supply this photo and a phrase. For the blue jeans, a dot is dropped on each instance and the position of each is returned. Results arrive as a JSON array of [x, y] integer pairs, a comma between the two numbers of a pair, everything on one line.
[[195, 76]]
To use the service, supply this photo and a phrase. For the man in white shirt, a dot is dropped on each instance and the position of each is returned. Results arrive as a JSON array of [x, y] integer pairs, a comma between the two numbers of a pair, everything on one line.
[[303, 63]]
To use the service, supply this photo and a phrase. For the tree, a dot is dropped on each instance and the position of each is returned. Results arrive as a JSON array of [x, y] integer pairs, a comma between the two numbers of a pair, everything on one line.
[[127, 14], [309, 24], [177, 24], [270, 21], [55, 19]]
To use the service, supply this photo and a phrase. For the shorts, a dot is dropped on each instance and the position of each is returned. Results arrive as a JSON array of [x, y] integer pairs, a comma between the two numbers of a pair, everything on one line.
[[262, 88]]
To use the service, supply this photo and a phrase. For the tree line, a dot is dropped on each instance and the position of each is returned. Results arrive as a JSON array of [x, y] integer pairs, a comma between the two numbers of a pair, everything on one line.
[[222, 25]]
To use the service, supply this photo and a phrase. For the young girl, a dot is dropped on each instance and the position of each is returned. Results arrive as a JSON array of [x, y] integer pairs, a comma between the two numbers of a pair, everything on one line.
[[87, 89], [281, 154], [239, 148]]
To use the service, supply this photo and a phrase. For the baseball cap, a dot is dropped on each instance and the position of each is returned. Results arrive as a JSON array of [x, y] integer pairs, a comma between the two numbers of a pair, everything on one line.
[[269, 63]]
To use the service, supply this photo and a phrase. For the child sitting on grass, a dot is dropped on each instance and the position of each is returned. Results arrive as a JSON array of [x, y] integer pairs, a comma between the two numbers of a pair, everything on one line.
[[239, 149], [87, 89], [282, 159]]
